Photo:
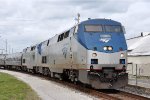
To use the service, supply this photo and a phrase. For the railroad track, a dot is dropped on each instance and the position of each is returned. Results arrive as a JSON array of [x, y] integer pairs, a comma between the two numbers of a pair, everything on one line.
[[122, 95], [101, 94]]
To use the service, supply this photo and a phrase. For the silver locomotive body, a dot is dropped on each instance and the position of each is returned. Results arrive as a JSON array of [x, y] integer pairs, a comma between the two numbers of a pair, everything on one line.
[[92, 52]]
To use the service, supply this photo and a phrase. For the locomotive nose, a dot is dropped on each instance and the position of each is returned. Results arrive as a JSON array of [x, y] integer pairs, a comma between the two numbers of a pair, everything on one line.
[[99, 60]]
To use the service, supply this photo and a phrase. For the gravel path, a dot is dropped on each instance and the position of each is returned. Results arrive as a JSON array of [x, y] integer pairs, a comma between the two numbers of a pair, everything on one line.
[[49, 90]]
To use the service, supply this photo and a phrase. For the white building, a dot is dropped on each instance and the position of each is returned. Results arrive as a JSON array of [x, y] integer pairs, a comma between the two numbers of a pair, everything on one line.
[[139, 54]]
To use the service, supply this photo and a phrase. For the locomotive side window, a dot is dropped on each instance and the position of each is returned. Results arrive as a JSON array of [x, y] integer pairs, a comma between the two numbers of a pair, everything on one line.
[[60, 37], [47, 42], [93, 28], [44, 60], [23, 61], [63, 36], [32, 48], [66, 34], [113, 28]]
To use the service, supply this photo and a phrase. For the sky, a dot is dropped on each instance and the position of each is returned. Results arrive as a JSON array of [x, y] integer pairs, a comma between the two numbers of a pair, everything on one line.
[[24, 23]]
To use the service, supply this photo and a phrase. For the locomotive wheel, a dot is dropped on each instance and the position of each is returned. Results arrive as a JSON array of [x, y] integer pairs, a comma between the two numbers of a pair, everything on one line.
[[72, 79]]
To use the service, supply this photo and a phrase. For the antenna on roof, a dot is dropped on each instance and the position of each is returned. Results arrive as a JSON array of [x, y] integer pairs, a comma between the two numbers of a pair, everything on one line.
[[78, 18]]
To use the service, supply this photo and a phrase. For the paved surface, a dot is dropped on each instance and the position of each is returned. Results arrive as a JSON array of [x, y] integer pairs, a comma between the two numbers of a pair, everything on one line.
[[49, 90], [142, 82]]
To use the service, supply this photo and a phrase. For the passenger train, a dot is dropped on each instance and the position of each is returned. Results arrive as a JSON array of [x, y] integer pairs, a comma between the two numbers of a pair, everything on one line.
[[93, 52]]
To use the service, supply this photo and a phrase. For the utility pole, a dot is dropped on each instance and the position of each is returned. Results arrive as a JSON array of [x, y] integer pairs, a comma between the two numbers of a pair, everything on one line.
[[6, 46], [12, 50], [136, 74], [9, 49], [2, 51]]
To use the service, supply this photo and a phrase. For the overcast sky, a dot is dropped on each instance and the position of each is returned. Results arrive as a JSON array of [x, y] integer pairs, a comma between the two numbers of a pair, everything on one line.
[[27, 22]]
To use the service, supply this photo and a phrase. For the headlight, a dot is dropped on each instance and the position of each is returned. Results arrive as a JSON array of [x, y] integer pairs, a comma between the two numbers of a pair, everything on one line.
[[110, 48], [94, 54], [122, 55], [105, 48]]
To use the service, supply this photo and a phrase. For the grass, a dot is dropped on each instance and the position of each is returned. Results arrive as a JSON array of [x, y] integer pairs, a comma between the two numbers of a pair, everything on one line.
[[13, 89]]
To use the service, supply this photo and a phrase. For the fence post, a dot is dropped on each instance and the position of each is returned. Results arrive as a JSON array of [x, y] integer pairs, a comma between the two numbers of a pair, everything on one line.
[[136, 74], [132, 70]]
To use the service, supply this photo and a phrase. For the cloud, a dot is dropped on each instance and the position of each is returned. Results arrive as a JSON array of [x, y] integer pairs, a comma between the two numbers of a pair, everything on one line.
[[136, 19], [27, 22]]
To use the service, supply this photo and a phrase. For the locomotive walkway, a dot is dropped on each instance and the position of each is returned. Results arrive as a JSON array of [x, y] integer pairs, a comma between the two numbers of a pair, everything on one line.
[[49, 90]]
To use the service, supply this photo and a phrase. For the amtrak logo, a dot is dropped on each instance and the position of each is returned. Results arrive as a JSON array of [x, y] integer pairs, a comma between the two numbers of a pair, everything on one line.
[[64, 50], [105, 38]]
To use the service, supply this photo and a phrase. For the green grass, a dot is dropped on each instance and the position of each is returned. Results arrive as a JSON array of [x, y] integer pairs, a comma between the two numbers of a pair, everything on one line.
[[13, 89]]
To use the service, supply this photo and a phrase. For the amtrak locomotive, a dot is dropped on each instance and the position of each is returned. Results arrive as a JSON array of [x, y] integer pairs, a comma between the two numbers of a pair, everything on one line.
[[93, 52]]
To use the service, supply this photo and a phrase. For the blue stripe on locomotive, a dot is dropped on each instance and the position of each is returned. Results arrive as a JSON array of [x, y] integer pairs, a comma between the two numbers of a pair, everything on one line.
[[91, 40]]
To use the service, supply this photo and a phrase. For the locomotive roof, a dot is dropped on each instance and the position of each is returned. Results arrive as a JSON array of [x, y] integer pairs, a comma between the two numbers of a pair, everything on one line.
[[101, 21], [91, 21]]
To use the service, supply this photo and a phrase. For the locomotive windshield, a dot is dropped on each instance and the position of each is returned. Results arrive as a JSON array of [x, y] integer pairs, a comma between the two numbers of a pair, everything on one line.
[[93, 28], [98, 28], [115, 28]]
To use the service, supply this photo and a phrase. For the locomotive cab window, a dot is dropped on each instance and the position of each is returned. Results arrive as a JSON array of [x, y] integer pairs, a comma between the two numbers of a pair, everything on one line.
[[44, 60], [93, 28], [113, 28]]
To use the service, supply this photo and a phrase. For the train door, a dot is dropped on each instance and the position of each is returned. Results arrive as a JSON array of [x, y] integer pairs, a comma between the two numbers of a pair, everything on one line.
[[71, 46], [71, 36]]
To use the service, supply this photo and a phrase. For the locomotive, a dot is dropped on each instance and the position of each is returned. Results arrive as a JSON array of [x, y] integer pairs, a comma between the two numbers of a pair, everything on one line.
[[93, 52]]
